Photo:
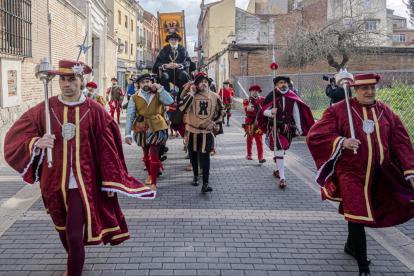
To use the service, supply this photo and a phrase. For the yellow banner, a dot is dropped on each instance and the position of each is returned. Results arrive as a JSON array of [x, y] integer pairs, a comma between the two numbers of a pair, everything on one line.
[[171, 23]]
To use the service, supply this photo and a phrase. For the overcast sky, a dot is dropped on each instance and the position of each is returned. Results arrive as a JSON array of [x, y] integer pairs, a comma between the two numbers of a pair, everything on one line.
[[192, 12]]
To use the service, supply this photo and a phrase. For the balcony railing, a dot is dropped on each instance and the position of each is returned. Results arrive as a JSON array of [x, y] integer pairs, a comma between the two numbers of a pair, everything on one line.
[[140, 64], [150, 64], [140, 40]]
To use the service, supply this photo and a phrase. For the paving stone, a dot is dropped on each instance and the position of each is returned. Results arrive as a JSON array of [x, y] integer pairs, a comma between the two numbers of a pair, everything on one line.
[[286, 232]]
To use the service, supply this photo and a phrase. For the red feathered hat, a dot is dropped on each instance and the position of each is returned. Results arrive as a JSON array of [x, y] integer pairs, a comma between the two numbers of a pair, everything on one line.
[[71, 67], [201, 76], [256, 87], [94, 85], [366, 79]]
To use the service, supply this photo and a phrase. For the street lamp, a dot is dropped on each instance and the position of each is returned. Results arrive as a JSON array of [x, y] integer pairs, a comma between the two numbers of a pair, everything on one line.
[[202, 54]]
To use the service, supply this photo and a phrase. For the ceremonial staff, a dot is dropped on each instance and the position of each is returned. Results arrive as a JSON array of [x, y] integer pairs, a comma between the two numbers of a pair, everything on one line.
[[344, 78], [274, 67], [42, 74]]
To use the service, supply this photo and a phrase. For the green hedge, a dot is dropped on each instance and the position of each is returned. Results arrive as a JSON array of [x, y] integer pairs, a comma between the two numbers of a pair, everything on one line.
[[400, 97]]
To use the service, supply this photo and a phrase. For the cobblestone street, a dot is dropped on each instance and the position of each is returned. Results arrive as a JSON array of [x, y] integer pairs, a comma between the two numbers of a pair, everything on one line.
[[246, 226]]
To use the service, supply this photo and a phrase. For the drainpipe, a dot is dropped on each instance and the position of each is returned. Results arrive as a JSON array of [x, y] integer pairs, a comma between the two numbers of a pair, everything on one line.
[[241, 61]]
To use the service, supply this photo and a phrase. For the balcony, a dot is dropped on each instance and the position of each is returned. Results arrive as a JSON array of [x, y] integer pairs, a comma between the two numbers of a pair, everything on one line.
[[140, 18], [140, 40], [150, 64], [140, 64]]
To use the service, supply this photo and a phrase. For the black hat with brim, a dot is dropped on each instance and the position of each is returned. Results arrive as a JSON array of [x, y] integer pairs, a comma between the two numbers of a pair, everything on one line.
[[173, 35], [202, 76], [145, 77], [279, 78]]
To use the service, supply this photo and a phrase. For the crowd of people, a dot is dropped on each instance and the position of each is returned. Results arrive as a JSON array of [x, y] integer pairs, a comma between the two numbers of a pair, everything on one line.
[[372, 175]]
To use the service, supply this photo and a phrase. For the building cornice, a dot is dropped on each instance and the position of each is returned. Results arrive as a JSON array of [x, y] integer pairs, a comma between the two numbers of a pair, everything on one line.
[[112, 39], [101, 4], [75, 10]]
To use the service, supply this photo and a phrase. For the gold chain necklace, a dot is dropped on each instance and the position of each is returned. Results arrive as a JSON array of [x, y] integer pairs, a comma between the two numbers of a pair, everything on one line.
[[174, 57]]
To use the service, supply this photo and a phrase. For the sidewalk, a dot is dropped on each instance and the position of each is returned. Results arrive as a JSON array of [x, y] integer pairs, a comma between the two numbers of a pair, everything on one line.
[[246, 226]]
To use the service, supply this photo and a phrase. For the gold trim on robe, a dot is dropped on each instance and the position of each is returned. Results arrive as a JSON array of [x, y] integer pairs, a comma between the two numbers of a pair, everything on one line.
[[367, 178]]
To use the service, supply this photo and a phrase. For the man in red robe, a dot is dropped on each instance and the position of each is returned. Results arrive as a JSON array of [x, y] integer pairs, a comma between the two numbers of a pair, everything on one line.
[[375, 185], [88, 166], [227, 95], [252, 107], [293, 118]]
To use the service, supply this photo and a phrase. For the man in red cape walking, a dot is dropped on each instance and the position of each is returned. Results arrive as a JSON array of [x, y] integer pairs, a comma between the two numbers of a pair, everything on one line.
[[293, 118], [252, 107], [227, 94], [88, 166], [374, 186]]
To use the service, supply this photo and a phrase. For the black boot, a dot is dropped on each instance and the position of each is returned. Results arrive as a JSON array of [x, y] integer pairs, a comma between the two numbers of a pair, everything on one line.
[[364, 274], [159, 172], [206, 188], [228, 120], [196, 181], [348, 250]]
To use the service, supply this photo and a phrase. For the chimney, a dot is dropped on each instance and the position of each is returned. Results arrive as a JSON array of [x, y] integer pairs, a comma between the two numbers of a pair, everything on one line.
[[202, 6]]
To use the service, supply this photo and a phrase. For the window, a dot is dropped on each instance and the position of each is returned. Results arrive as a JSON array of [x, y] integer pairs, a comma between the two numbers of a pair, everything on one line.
[[132, 25], [126, 47], [132, 49], [371, 25], [119, 18], [400, 38], [126, 21], [366, 4], [349, 23], [16, 27]]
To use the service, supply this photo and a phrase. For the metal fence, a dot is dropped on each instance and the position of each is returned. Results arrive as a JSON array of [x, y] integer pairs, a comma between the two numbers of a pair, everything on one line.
[[396, 89]]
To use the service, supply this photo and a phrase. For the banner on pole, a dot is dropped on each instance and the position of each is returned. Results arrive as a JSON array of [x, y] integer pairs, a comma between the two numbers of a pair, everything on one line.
[[171, 23]]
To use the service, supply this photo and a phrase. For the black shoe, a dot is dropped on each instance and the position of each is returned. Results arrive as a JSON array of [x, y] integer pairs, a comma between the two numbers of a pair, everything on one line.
[[159, 172], [166, 149], [206, 188], [196, 181], [228, 124], [351, 252], [364, 274], [163, 158]]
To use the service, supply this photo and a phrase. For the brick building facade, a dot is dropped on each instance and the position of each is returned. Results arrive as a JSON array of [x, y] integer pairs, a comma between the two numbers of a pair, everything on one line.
[[68, 27]]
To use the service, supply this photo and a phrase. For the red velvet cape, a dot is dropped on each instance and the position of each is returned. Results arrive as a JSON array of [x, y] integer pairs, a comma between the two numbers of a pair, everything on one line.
[[347, 177], [306, 116], [97, 162]]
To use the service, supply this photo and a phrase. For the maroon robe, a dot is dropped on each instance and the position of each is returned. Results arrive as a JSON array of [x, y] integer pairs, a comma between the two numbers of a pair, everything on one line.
[[306, 116], [97, 162], [347, 177]]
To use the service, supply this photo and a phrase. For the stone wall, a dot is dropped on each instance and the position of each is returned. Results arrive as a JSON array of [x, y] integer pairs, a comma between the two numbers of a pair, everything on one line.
[[67, 32]]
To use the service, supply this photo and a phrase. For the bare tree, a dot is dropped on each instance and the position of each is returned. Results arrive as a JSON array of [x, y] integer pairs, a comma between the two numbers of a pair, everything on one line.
[[410, 7], [336, 42]]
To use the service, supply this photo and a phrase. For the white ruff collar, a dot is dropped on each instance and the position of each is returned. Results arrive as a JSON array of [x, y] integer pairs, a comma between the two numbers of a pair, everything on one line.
[[81, 100]]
